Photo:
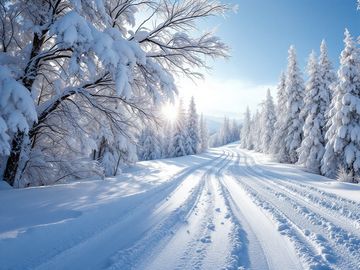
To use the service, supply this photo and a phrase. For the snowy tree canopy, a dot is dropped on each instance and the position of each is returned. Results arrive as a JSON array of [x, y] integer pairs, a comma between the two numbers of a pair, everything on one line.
[[81, 61], [17, 111]]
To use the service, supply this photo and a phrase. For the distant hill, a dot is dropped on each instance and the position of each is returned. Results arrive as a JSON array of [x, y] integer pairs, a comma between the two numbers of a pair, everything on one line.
[[213, 123]]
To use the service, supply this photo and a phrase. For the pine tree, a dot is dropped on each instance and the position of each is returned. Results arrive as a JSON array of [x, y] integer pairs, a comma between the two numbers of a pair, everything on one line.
[[328, 77], [245, 136], [343, 136], [192, 126], [255, 130], [267, 122], [278, 148], [177, 147], [316, 102], [234, 131], [166, 132], [224, 133], [149, 144], [204, 135], [294, 120]]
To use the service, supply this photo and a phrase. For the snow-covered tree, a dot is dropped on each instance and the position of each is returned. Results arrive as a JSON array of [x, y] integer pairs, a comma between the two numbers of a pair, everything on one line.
[[166, 131], [234, 131], [268, 119], [179, 136], [294, 91], [224, 133], [255, 130], [17, 111], [328, 77], [229, 132], [316, 102], [245, 135], [192, 125], [82, 60], [204, 135], [278, 148], [343, 135], [149, 144]]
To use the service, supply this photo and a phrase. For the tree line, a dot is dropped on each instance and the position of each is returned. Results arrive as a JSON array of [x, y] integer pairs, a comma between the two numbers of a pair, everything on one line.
[[186, 135], [315, 123]]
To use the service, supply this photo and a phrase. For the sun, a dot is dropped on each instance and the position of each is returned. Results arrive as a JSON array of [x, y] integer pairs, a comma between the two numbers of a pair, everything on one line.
[[169, 111]]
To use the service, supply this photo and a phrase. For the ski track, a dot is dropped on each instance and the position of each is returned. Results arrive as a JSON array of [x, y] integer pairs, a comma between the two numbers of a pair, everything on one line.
[[107, 232], [231, 212], [320, 242], [194, 243], [346, 211]]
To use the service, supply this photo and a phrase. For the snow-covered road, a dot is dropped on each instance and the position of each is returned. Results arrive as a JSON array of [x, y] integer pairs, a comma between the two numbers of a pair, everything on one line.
[[226, 209]]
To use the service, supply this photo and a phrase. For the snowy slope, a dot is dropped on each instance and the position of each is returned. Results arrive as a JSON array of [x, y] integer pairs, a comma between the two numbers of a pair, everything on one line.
[[225, 209]]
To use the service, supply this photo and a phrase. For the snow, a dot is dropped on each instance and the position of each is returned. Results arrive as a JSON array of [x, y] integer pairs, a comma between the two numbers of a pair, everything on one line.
[[4, 185], [17, 110], [228, 208]]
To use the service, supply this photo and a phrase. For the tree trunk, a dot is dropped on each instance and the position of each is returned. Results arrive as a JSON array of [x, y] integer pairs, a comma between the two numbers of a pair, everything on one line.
[[31, 71], [13, 161]]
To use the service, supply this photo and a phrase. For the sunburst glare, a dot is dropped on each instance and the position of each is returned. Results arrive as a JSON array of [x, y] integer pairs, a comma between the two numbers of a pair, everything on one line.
[[169, 111]]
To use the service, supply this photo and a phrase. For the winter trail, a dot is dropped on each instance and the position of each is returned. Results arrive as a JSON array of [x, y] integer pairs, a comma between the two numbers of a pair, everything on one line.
[[227, 210]]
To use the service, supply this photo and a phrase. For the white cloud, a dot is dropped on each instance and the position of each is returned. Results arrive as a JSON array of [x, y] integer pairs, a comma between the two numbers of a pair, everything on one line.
[[219, 97]]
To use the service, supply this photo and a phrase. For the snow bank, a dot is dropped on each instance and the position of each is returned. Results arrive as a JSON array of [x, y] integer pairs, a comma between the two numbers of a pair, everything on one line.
[[4, 185]]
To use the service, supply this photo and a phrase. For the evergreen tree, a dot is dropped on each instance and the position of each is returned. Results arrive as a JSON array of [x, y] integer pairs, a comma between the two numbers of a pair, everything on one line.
[[166, 132], [328, 77], [278, 148], [234, 131], [192, 126], [149, 144], [224, 134], [343, 136], [268, 122], [255, 132], [294, 91], [245, 136], [204, 135], [316, 102], [177, 147]]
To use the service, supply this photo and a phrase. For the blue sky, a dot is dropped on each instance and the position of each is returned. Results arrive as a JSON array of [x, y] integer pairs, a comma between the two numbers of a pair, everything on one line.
[[259, 35]]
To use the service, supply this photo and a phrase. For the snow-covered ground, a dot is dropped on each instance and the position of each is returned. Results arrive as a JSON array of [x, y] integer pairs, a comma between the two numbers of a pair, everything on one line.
[[226, 209]]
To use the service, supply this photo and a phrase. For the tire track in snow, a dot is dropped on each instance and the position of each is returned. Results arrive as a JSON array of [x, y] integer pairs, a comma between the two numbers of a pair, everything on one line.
[[305, 248], [112, 232], [340, 233], [213, 245], [195, 244], [260, 242], [142, 253], [346, 211], [326, 237]]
